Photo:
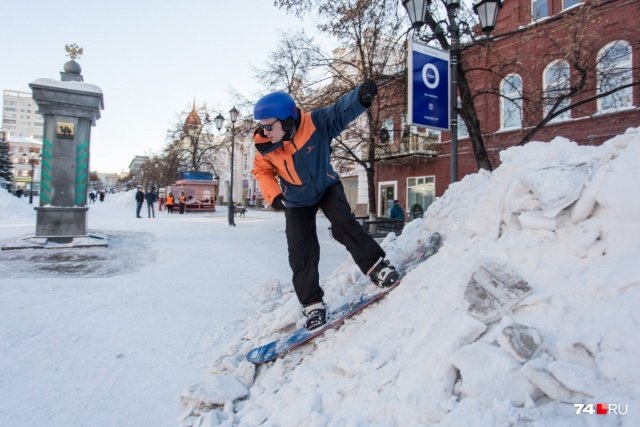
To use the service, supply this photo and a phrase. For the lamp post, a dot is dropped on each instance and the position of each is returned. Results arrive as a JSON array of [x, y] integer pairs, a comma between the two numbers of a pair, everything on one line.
[[487, 11], [31, 159], [452, 6], [233, 114]]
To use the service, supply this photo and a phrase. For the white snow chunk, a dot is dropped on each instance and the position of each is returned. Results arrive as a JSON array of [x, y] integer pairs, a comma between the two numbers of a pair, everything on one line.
[[216, 390], [489, 373], [575, 377], [536, 371]]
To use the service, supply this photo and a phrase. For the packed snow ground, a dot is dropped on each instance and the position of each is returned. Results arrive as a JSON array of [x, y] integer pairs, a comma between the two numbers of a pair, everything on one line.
[[110, 337], [530, 306]]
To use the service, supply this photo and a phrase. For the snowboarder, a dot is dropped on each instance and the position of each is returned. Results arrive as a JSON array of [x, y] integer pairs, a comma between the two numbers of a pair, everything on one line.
[[295, 175]]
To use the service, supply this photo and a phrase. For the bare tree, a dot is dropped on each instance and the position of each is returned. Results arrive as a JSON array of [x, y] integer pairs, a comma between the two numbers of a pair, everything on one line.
[[372, 32], [581, 70], [192, 145], [574, 41]]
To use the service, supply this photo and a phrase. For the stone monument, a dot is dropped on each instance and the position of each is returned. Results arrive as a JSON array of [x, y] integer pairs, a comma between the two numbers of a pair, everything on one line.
[[69, 108]]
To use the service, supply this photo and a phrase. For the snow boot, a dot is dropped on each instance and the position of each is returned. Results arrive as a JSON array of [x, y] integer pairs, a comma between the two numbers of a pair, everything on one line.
[[316, 315], [383, 274]]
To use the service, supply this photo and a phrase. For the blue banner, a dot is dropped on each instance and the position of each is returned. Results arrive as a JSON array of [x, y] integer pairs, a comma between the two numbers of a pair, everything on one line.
[[428, 82], [197, 176]]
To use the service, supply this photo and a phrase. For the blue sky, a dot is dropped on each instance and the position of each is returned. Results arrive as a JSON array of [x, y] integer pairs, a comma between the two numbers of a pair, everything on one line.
[[150, 58]]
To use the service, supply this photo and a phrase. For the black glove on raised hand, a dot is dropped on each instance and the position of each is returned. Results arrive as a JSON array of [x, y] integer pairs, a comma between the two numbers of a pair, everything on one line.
[[278, 203], [368, 89]]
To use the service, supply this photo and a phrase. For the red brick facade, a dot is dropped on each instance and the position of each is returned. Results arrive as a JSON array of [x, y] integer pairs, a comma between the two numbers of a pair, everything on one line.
[[526, 48]]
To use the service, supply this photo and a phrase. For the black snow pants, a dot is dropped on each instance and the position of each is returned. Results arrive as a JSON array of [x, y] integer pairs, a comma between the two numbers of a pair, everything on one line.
[[304, 249]]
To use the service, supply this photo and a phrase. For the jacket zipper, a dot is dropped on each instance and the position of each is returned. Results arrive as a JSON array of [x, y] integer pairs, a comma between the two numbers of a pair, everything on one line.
[[286, 166]]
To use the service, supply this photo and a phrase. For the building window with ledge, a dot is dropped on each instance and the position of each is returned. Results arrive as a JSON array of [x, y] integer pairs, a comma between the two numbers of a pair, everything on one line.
[[511, 102], [421, 192], [566, 4], [387, 125], [463, 132], [539, 9], [613, 71], [556, 82]]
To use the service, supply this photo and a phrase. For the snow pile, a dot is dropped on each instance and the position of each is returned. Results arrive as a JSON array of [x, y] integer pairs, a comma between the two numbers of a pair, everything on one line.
[[12, 207], [530, 306], [122, 198]]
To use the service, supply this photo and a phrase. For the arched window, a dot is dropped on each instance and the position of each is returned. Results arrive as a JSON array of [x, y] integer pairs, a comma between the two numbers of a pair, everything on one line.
[[511, 102], [387, 125], [463, 132], [614, 71], [539, 9], [556, 83], [569, 3]]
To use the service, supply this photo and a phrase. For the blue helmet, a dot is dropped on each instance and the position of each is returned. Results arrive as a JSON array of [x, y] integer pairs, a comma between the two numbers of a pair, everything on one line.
[[277, 104]]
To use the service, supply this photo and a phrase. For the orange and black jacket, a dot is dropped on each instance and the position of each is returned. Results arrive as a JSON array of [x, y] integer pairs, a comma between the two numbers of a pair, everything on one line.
[[300, 169]]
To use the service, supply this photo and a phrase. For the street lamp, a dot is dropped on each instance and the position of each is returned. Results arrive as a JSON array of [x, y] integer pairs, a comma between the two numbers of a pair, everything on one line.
[[487, 11], [31, 159], [417, 10], [233, 114]]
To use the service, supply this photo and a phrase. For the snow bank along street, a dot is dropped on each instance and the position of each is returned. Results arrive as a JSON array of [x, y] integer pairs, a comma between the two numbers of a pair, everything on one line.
[[526, 316], [529, 308]]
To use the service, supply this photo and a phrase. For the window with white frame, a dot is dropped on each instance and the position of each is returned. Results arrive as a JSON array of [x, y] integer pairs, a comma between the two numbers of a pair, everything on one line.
[[387, 130], [463, 132], [539, 9], [556, 82], [511, 102], [421, 192], [613, 71]]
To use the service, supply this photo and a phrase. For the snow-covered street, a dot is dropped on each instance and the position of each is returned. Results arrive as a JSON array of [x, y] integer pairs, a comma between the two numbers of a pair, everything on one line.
[[111, 337]]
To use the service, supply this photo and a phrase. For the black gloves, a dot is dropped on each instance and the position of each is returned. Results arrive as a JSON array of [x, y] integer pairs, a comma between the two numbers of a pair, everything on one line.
[[278, 203], [368, 89]]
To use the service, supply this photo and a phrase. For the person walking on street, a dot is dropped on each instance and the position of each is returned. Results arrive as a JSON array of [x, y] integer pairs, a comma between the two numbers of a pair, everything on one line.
[[182, 202], [170, 202], [293, 169], [396, 211], [151, 199], [139, 201]]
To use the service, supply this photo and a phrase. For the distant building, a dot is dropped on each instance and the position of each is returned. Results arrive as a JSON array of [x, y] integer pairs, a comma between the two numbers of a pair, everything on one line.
[[20, 149], [20, 116], [135, 167], [535, 48], [108, 180]]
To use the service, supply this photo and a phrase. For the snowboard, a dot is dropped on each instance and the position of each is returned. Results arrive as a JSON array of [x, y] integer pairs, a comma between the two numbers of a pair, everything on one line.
[[336, 317]]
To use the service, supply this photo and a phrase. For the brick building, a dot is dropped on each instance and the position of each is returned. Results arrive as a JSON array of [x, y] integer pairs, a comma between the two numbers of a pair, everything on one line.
[[539, 48]]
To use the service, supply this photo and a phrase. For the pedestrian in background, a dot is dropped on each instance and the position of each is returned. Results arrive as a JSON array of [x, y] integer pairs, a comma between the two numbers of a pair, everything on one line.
[[151, 199], [182, 202], [139, 201], [170, 202], [396, 211]]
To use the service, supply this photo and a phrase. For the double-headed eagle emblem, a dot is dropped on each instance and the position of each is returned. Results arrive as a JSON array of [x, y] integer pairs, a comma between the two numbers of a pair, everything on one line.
[[73, 50]]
